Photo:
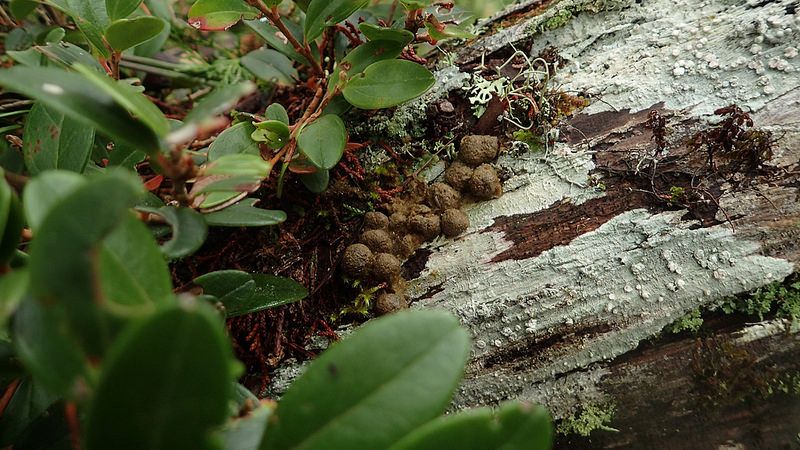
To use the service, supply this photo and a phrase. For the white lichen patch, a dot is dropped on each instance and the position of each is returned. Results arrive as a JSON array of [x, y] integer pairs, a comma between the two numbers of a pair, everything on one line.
[[690, 54], [626, 281]]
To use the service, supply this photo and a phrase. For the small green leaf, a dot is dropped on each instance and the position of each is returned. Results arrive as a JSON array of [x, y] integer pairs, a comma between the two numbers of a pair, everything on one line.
[[120, 9], [79, 98], [324, 13], [22, 8], [323, 141], [218, 15], [46, 190], [245, 433], [316, 182], [13, 287], [239, 165], [388, 83], [234, 140], [340, 402], [217, 102], [11, 221], [54, 141], [270, 66], [276, 111], [274, 133], [242, 293], [244, 214], [227, 285], [514, 426], [165, 384], [275, 39], [376, 33], [189, 230], [126, 33], [362, 57]]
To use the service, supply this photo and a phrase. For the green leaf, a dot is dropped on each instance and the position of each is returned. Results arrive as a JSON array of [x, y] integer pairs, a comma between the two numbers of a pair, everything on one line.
[[274, 133], [230, 184], [22, 8], [234, 140], [53, 141], [133, 272], [218, 15], [120, 9], [362, 57], [324, 13], [376, 33], [274, 38], [189, 230], [28, 403], [227, 285], [165, 384], [270, 66], [62, 269], [245, 433], [217, 102], [323, 141], [276, 111], [243, 293], [316, 182], [244, 214], [80, 99], [388, 83], [239, 165], [126, 33], [13, 287], [46, 190], [341, 401], [514, 426], [11, 221]]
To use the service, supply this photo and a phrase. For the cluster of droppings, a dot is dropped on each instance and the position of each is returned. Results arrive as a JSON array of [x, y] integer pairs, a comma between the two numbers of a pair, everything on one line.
[[421, 215]]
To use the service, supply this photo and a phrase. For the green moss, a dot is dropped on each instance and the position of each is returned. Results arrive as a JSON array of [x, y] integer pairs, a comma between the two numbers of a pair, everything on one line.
[[534, 141], [590, 418], [690, 322], [677, 194], [782, 298], [561, 18]]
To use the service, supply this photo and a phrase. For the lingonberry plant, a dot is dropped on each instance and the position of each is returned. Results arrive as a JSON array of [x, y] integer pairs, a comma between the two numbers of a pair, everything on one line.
[[106, 182]]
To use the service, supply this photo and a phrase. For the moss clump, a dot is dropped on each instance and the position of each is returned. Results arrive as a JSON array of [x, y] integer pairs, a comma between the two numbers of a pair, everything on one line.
[[560, 19], [592, 417], [690, 322], [783, 298]]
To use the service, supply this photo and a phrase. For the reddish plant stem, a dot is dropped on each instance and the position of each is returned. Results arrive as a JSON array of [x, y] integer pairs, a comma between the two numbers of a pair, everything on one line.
[[7, 395], [275, 18]]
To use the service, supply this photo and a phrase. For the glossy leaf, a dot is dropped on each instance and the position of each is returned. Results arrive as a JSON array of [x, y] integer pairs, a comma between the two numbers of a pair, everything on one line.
[[324, 13], [227, 285], [126, 33], [270, 66], [22, 8], [388, 83], [217, 15], [219, 101], [245, 433], [242, 293], [11, 221], [189, 230], [275, 39], [75, 96], [274, 133], [239, 165], [165, 384], [120, 9], [13, 287], [362, 57], [377, 33], [276, 111], [514, 426], [46, 190], [55, 141], [244, 214], [341, 400], [234, 140], [316, 182], [323, 141]]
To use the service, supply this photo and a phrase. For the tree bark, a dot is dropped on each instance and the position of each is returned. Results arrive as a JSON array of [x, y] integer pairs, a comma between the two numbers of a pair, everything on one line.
[[567, 281]]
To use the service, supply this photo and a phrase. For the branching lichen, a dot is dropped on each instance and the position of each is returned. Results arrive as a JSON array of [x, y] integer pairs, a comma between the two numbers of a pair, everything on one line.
[[590, 418]]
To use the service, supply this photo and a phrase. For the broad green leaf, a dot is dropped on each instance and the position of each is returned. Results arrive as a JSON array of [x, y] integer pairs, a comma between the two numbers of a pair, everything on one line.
[[440, 32], [514, 426], [270, 66], [22, 8], [230, 184], [272, 291], [79, 98], [342, 400], [54, 141], [227, 285], [67, 55], [46, 190], [245, 433], [316, 182], [388, 83], [28, 403], [362, 57], [239, 165], [189, 230], [165, 384], [120, 9], [126, 33], [133, 272], [276, 111], [324, 13], [125, 156], [48, 350], [11, 221], [377, 33], [217, 102], [242, 293], [62, 270], [274, 133], [244, 214], [323, 141], [217, 15], [153, 46], [130, 98], [234, 140], [275, 39], [13, 287]]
